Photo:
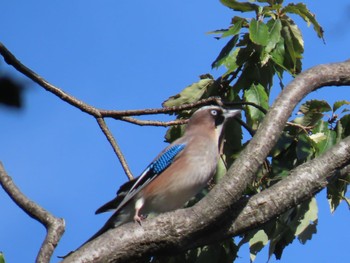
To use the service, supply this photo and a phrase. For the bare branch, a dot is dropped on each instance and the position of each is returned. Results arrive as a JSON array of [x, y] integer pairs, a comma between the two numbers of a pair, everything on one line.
[[54, 226], [152, 123], [115, 146]]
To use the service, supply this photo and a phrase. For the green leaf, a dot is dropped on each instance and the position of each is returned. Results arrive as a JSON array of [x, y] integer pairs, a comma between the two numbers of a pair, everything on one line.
[[275, 27], [315, 106], [313, 112], [282, 144], [190, 94], [257, 243], [258, 32], [340, 103], [288, 41], [257, 95], [238, 6], [2, 258], [278, 54], [336, 191], [225, 52], [230, 62], [298, 41], [301, 10], [307, 225], [299, 221], [329, 141], [305, 148]]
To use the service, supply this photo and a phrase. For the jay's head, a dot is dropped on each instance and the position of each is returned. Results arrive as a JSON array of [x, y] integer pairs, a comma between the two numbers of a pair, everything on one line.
[[210, 118]]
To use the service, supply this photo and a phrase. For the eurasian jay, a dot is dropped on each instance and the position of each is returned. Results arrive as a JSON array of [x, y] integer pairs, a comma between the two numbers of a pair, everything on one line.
[[176, 175]]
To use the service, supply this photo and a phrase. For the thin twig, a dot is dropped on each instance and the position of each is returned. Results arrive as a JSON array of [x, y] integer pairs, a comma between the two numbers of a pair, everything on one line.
[[153, 123], [99, 113], [54, 226], [115, 146], [123, 113]]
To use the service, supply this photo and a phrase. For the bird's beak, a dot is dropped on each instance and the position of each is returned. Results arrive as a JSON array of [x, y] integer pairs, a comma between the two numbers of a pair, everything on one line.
[[230, 113]]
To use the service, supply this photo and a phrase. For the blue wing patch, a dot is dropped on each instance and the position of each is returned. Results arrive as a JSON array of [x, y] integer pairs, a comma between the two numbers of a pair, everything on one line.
[[151, 172], [163, 161]]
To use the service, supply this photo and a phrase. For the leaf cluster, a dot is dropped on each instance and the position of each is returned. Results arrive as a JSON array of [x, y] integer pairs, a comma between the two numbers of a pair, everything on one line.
[[260, 49]]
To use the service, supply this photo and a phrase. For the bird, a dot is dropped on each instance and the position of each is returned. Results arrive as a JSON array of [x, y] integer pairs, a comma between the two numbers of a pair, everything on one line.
[[176, 175]]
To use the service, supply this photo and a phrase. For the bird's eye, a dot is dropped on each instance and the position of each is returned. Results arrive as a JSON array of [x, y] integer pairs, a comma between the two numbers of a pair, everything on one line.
[[214, 112]]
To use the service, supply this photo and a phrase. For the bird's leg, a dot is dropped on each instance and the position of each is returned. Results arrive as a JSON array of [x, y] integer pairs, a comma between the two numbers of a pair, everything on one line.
[[138, 205]]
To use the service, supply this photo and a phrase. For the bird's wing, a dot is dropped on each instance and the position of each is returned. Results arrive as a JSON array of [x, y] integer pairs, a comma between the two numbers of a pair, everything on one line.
[[131, 188]]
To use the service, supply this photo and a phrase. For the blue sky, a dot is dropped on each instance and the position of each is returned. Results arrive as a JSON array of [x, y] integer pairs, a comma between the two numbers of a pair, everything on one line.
[[122, 55]]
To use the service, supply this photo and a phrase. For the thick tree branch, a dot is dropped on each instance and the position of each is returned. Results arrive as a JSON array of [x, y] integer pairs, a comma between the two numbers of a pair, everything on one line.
[[54, 226], [172, 232], [180, 229]]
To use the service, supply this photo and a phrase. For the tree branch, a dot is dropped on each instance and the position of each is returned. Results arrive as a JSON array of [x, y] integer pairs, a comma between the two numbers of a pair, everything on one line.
[[181, 229], [99, 114], [172, 232], [54, 226]]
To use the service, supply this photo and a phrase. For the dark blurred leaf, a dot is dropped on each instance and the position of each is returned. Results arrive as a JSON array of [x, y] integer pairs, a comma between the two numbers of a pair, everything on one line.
[[258, 32], [282, 144], [10, 92], [345, 122], [238, 6]]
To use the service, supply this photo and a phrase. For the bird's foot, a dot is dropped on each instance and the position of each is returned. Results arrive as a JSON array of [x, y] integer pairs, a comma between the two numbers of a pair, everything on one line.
[[139, 218]]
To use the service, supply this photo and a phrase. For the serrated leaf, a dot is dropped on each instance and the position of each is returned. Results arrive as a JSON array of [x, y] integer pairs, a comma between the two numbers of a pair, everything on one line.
[[257, 243], [340, 103], [258, 32], [238, 6], [257, 95], [190, 94], [315, 106], [301, 10], [309, 119]]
